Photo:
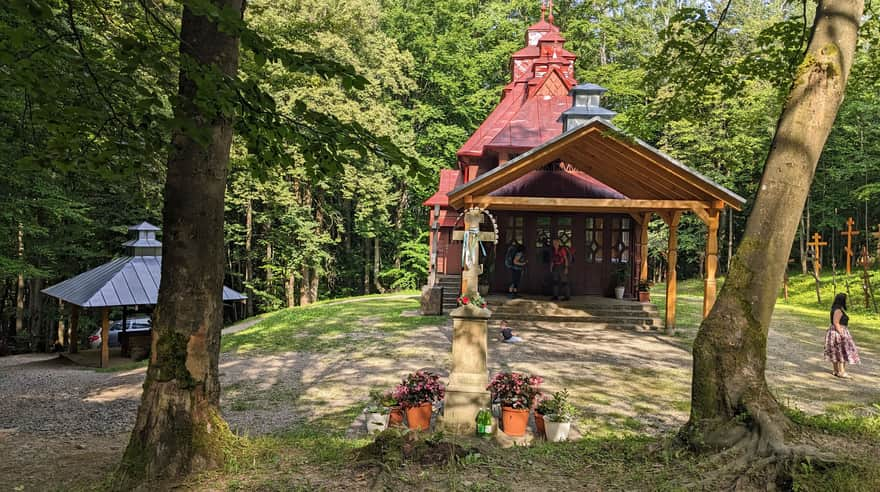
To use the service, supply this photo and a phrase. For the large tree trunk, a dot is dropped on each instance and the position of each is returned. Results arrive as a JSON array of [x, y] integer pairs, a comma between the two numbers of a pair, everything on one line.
[[178, 427], [248, 256], [377, 265], [366, 266], [731, 403], [304, 299], [19, 295]]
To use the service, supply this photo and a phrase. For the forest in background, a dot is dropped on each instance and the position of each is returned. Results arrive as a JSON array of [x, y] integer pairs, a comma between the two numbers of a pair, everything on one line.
[[85, 112]]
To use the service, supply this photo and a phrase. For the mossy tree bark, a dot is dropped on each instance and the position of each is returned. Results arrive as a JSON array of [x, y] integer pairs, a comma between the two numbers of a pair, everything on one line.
[[731, 403], [178, 427]]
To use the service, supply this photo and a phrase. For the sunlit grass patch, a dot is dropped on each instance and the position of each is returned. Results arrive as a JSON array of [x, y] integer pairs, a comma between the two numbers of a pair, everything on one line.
[[328, 326]]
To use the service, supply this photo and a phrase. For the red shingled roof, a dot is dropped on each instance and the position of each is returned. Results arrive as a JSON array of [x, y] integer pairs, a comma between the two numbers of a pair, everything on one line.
[[449, 179]]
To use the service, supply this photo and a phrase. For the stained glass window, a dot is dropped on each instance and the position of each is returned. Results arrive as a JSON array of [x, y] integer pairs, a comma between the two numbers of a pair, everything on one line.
[[594, 228], [542, 232], [563, 231], [621, 239], [513, 230]]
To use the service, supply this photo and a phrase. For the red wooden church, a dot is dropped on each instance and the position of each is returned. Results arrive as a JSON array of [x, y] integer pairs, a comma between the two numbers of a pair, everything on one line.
[[548, 163]]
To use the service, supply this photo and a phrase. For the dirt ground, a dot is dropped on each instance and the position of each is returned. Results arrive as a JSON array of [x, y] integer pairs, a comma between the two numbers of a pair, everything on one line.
[[622, 379]]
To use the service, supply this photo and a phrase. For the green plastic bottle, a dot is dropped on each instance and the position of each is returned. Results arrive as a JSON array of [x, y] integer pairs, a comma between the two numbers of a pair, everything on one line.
[[484, 423]]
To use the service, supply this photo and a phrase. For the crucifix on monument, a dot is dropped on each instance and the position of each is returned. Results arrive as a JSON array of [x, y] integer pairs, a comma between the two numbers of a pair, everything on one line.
[[466, 393], [472, 239], [849, 233], [817, 252]]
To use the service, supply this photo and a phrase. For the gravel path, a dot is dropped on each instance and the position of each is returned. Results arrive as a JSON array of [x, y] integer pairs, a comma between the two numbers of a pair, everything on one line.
[[70, 423]]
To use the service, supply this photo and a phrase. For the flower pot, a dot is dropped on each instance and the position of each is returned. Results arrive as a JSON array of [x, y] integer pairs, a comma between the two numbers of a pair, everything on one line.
[[539, 425], [618, 291], [395, 418], [644, 296], [556, 431], [515, 420], [419, 417], [377, 422], [483, 289]]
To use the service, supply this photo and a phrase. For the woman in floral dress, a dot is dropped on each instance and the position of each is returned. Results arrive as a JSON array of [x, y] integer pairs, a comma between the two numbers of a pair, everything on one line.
[[840, 348]]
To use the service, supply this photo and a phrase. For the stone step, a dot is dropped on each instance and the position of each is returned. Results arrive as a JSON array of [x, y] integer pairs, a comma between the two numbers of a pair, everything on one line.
[[612, 320], [583, 313]]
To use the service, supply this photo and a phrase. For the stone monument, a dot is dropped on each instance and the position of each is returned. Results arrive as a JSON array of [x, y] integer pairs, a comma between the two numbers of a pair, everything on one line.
[[469, 376]]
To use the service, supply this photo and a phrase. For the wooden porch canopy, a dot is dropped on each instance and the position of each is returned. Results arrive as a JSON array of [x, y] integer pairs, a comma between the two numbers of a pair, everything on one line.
[[651, 182]]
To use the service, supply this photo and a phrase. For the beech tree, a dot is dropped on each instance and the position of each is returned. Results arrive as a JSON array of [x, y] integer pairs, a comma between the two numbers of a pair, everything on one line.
[[731, 404], [178, 425]]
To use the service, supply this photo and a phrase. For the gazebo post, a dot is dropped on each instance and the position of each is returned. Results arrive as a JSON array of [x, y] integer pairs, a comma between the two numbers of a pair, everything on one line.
[[671, 260], [105, 337], [710, 286], [643, 240], [74, 329]]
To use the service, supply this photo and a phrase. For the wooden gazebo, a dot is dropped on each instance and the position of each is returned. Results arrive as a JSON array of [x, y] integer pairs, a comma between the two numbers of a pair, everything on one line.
[[125, 282]]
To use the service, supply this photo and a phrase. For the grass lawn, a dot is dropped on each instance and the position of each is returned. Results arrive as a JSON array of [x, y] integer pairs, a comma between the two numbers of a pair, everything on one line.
[[316, 455], [801, 303], [328, 326]]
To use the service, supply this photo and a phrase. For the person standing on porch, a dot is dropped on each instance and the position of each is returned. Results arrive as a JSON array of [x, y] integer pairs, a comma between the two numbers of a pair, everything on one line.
[[515, 261], [559, 270], [840, 348]]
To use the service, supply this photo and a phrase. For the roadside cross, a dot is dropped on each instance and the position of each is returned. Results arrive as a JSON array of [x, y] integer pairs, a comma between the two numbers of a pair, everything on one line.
[[471, 236], [817, 251], [849, 233]]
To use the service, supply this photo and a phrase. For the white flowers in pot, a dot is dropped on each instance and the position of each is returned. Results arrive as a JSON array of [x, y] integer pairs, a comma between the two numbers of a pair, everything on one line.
[[557, 425], [377, 412]]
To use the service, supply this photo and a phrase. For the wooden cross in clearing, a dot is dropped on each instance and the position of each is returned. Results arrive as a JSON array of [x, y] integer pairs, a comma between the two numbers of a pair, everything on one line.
[[849, 233], [817, 251]]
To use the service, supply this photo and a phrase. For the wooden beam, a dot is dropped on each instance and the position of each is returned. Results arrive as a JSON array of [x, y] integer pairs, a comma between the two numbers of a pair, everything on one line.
[[710, 287], [551, 204], [74, 329], [671, 279], [105, 337], [644, 171], [498, 177], [678, 172], [643, 239], [620, 177]]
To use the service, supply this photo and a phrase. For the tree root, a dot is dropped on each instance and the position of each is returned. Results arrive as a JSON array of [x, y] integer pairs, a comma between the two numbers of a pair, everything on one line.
[[761, 460], [758, 450]]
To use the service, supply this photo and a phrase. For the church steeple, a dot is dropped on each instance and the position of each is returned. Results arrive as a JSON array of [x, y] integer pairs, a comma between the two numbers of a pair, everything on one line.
[[537, 30]]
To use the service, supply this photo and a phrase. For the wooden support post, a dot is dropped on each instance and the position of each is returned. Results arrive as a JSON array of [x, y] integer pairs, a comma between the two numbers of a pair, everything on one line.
[[74, 329], [643, 271], [710, 287], [671, 259], [105, 337]]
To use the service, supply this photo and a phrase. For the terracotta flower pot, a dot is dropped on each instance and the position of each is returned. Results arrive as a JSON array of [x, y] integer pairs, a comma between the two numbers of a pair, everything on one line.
[[515, 420], [419, 418], [644, 296], [539, 424], [395, 418]]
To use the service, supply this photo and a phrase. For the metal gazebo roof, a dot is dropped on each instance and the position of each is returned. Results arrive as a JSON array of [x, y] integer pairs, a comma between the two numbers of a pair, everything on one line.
[[127, 281]]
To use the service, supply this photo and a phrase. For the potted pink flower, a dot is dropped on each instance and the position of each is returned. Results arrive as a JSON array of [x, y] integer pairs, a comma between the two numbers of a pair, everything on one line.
[[516, 392], [416, 394]]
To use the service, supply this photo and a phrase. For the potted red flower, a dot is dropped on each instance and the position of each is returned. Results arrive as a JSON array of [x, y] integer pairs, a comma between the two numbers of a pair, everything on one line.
[[416, 395], [516, 392]]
